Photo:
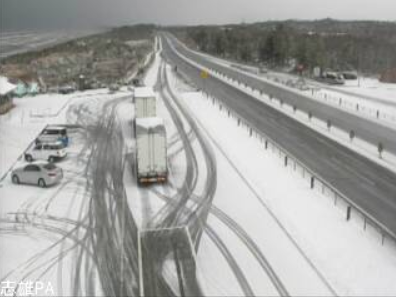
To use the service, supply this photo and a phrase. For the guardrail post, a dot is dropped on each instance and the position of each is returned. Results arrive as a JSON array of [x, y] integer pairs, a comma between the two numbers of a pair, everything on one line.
[[251, 132], [312, 182], [266, 144], [348, 216], [378, 114], [285, 161]]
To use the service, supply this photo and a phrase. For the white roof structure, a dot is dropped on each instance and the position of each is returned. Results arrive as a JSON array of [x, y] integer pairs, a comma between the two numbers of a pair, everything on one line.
[[144, 92], [5, 86], [154, 124]]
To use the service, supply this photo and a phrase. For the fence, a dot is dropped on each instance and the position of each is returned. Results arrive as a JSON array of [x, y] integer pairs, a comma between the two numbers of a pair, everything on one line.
[[315, 180]]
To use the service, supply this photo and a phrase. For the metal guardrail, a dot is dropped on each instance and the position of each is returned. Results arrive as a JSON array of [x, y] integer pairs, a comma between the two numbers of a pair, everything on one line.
[[368, 219]]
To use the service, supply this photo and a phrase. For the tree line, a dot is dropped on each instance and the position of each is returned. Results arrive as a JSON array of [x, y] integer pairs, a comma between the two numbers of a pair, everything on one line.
[[368, 47]]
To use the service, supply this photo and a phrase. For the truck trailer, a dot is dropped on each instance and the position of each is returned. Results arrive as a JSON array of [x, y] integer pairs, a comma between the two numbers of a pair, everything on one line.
[[151, 150], [145, 102]]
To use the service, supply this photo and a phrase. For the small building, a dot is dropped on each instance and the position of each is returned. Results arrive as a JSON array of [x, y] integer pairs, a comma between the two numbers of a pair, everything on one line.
[[6, 92]]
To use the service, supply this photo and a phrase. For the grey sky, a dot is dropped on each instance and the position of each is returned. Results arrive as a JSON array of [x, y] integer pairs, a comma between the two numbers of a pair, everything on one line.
[[27, 14]]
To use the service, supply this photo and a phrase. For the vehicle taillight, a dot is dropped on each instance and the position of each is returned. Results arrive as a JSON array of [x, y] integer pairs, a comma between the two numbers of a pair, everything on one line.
[[52, 174]]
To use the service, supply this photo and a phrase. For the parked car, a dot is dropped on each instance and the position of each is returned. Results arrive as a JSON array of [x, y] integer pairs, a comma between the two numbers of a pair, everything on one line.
[[52, 134], [332, 78], [66, 90], [46, 151], [114, 88], [43, 174]]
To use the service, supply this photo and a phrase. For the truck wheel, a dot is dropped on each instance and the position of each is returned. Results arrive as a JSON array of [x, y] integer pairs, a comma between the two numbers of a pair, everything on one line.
[[28, 158], [41, 183], [15, 179]]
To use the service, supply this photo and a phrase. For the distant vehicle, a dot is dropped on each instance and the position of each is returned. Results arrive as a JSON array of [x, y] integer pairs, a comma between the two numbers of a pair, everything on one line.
[[145, 102], [151, 151], [42, 174], [262, 70], [114, 88], [332, 78], [66, 90], [349, 75], [46, 151], [53, 134], [137, 82]]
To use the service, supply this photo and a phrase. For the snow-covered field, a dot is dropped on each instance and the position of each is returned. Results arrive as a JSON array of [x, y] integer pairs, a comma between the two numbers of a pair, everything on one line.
[[15, 42]]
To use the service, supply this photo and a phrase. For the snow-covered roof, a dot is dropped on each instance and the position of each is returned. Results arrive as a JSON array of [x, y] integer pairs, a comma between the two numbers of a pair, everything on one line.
[[144, 92], [155, 124], [5, 86]]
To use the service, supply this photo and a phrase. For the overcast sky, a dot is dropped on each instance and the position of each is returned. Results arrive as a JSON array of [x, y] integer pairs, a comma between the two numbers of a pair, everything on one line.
[[29, 14]]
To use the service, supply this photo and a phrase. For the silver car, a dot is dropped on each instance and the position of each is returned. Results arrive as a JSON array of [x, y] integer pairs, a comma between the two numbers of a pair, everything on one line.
[[43, 174]]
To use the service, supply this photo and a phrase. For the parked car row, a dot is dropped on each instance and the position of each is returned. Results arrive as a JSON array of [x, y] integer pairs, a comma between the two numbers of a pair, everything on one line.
[[49, 147]]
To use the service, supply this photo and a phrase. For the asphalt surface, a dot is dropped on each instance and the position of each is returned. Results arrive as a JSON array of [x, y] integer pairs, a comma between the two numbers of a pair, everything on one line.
[[367, 184], [368, 130]]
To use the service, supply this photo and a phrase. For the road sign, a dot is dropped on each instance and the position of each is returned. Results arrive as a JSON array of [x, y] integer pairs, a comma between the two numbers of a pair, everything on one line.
[[204, 74]]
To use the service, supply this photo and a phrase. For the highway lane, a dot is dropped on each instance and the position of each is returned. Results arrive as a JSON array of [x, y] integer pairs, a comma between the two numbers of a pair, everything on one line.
[[367, 184], [363, 128]]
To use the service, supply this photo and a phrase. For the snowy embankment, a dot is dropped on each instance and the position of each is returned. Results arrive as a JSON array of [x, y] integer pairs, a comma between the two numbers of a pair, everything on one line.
[[252, 186], [358, 145]]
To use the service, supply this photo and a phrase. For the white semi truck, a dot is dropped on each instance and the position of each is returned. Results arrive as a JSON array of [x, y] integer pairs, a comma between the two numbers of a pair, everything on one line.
[[145, 102], [151, 151]]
